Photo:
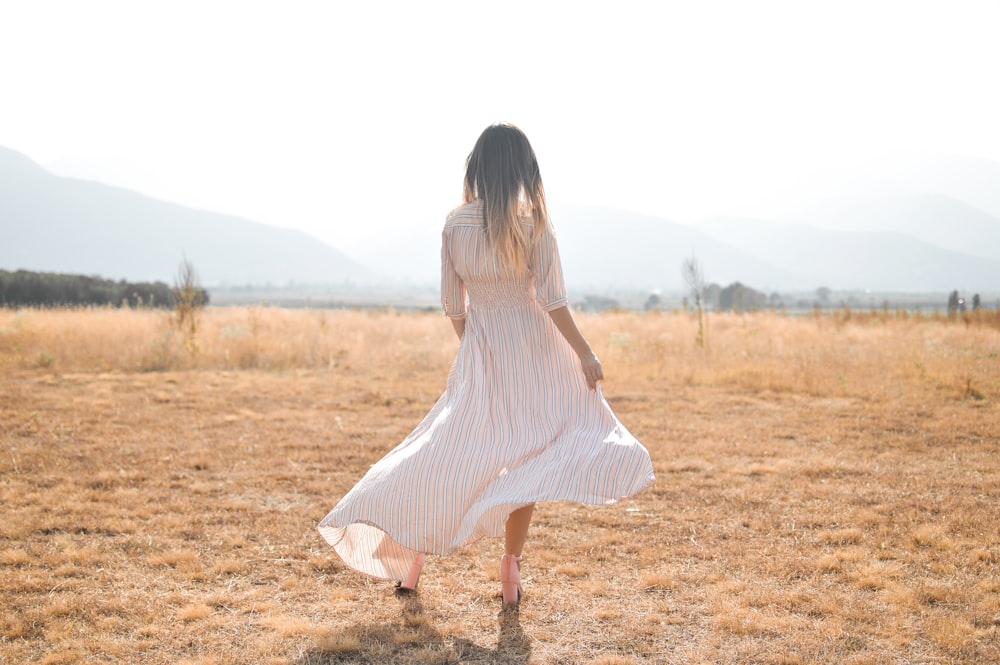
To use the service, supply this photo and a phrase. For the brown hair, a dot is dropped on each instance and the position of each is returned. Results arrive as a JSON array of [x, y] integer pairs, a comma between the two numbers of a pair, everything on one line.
[[503, 173]]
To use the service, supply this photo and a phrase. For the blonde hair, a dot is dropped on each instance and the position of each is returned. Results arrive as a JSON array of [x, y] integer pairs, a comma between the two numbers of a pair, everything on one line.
[[503, 173]]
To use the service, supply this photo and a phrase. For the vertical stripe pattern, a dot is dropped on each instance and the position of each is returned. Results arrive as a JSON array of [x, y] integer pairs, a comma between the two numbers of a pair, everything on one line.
[[516, 424]]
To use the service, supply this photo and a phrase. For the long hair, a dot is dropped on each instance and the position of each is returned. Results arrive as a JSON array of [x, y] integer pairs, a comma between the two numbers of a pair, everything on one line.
[[503, 173]]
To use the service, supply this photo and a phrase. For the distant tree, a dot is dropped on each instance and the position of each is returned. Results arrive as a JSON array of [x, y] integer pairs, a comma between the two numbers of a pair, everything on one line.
[[976, 302], [694, 276], [823, 293], [953, 302], [43, 289], [741, 298], [653, 302]]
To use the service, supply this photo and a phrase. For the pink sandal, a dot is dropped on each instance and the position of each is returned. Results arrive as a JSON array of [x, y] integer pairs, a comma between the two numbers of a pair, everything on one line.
[[510, 579]]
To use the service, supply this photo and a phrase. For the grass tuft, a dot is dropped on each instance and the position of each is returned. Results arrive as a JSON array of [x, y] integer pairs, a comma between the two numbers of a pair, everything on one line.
[[14, 557], [841, 537], [194, 612], [340, 644]]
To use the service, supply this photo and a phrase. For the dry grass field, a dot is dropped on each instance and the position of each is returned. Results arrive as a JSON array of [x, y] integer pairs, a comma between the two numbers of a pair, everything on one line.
[[828, 491]]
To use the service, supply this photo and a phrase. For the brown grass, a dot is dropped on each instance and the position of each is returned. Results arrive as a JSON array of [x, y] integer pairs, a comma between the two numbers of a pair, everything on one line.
[[828, 492]]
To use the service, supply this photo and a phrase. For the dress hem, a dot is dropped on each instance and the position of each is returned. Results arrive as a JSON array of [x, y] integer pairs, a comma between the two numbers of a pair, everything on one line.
[[333, 534]]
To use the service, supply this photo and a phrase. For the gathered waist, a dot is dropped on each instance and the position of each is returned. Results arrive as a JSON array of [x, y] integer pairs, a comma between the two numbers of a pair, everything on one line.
[[500, 305]]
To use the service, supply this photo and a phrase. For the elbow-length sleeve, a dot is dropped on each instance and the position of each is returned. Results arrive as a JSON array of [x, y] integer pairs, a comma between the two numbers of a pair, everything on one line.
[[452, 286], [550, 288]]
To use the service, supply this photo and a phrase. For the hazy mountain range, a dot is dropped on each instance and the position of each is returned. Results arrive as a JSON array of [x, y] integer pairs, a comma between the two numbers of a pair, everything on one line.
[[48, 223], [932, 226]]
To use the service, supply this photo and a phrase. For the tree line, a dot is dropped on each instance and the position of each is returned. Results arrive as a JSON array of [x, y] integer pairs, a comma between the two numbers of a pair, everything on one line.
[[25, 288]]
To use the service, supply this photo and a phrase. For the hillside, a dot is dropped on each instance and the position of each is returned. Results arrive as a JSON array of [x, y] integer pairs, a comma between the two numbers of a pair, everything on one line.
[[875, 260], [972, 180], [605, 246], [936, 219], [15, 166], [58, 224]]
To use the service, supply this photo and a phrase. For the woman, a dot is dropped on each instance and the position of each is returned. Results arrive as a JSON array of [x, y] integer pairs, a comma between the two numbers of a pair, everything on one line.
[[522, 419]]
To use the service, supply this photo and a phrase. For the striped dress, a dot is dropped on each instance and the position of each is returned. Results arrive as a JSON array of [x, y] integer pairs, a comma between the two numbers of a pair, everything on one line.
[[517, 423]]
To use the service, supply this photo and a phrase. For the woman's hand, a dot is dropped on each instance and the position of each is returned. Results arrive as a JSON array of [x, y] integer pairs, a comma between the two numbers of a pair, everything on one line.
[[592, 370], [591, 366]]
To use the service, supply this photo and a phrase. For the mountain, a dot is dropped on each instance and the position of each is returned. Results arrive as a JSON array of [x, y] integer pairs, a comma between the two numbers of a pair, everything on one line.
[[901, 222], [935, 219], [79, 168], [973, 180], [602, 249], [14, 166], [66, 225], [875, 260], [602, 246], [952, 201]]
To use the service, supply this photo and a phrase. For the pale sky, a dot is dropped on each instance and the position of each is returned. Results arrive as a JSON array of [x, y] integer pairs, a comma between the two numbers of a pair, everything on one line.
[[352, 120]]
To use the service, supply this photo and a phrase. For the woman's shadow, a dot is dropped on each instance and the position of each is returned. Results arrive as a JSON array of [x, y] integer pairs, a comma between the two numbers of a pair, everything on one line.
[[414, 639]]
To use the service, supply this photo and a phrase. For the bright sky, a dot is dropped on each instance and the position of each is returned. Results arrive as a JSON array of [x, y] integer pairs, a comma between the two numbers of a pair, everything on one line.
[[352, 121]]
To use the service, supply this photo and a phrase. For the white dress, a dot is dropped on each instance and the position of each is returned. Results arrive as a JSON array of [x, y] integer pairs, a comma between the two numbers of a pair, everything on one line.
[[517, 423]]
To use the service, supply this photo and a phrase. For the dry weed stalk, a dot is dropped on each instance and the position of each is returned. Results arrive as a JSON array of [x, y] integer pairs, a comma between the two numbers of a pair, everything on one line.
[[693, 274], [188, 301]]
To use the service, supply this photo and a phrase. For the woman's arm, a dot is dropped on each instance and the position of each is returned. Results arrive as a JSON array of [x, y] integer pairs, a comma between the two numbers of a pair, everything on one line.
[[459, 325], [589, 362]]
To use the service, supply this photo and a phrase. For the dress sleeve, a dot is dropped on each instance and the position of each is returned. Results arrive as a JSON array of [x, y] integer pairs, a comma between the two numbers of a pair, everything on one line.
[[452, 286], [550, 289]]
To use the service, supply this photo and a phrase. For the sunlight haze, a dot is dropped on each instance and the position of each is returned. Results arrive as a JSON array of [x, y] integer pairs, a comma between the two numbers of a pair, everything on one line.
[[351, 121]]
